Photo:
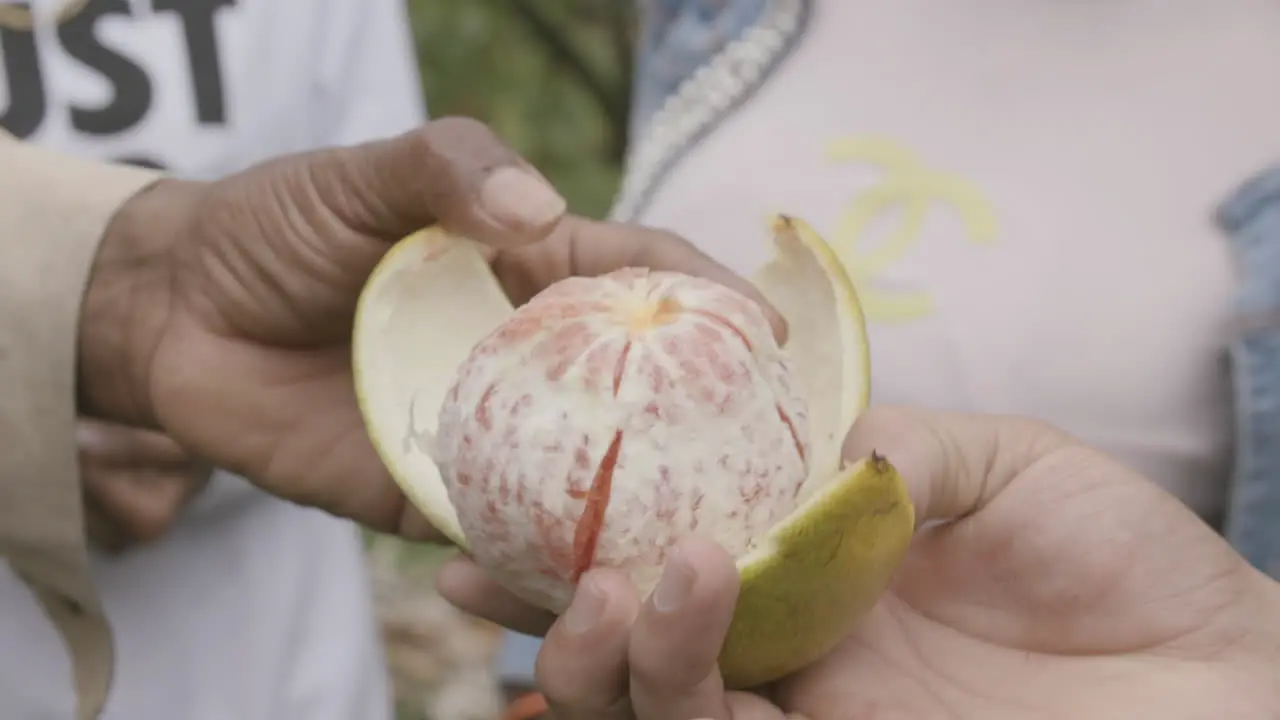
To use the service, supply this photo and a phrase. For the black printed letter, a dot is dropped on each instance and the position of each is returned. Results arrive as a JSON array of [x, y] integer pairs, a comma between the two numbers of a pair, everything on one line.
[[26, 86], [132, 98], [202, 54]]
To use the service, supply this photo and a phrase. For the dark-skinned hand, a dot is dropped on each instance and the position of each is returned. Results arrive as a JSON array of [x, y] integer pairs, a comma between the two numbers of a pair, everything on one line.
[[221, 313], [136, 483]]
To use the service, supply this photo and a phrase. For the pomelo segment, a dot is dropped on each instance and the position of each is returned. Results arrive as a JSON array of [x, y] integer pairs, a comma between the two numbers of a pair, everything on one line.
[[817, 573], [426, 304]]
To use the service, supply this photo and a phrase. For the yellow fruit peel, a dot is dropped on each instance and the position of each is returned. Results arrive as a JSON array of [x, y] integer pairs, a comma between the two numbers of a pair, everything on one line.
[[808, 583]]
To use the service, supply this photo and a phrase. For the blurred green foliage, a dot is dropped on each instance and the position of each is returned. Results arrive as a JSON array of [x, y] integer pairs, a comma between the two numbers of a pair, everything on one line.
[[552, 77]]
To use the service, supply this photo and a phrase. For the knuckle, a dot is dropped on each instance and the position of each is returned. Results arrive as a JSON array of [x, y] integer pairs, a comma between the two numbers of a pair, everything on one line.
[[673, 243], [666, 250], [576, 687], [671, 677], [1033, 437], [647, 676], [443, 163], [92, 475], [559, 688], [195, 476], [453, 135]]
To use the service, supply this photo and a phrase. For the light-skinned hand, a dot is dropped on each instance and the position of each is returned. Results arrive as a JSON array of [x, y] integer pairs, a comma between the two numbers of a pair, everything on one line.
[[1048, 582]]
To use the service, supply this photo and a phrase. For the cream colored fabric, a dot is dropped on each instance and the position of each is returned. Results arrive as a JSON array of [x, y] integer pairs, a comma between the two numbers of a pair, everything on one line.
[[53, 211]]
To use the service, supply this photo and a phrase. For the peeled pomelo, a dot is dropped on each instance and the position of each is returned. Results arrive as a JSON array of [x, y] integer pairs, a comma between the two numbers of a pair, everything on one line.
[[609, 417]]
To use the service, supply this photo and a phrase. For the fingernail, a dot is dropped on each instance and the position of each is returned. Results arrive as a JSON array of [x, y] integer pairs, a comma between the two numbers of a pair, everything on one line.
[[518, 199], [675, 584], [585, 610]]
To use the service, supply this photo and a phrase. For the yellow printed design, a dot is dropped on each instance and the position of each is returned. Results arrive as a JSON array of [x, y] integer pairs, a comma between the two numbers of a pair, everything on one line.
[[907, 185]]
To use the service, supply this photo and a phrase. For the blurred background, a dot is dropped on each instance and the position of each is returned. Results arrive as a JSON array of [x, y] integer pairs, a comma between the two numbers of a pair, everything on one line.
[[552, 77]]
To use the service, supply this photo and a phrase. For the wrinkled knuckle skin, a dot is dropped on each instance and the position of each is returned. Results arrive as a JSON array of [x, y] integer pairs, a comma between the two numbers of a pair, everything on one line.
[[1040, 438], [665, 677], [462, 136], [446, 162], [553, 683]]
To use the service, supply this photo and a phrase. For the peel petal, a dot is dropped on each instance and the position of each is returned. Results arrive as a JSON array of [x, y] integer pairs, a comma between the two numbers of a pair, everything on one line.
[[827, 341], [817, 573], [424, 307]]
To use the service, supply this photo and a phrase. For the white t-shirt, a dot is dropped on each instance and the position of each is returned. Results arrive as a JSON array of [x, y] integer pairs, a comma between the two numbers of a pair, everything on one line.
[[252, 608], [1023, 193]]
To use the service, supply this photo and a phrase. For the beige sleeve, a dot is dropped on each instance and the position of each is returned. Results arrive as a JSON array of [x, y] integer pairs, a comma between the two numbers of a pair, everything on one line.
[[53, 211]]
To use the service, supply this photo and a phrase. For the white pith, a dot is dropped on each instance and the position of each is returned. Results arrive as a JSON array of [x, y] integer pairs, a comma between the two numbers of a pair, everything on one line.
[[399, 364], [420, 318]]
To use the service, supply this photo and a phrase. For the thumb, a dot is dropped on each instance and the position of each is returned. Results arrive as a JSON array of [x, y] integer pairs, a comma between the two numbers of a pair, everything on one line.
[[954, 464], [452, 171]]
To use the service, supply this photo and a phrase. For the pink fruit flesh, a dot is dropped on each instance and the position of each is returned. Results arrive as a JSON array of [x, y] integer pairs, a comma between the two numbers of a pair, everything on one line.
[[610, 417]]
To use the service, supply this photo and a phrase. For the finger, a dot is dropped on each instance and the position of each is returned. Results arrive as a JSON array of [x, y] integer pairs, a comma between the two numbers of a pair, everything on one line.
[[454, 171], [677, 637], [106, 443], [102, 531], [582, 665], [747, 706], [141, 504], [415, 527], [579, 246], [465, 585], [953, 464]]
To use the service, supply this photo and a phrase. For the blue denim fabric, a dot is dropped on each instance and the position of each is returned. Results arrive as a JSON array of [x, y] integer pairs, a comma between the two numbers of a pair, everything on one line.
[[1251, 218], [679, 38]]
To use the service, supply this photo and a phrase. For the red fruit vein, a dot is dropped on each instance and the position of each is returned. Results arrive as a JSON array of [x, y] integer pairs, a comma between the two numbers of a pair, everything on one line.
[[587, 533]]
